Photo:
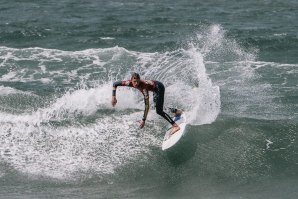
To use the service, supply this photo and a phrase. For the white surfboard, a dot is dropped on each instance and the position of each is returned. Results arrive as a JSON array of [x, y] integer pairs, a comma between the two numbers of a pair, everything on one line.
[[170, 140]]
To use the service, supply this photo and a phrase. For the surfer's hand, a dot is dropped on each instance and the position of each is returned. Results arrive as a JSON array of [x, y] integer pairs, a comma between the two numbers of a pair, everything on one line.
[[114, 100], [142, 124]]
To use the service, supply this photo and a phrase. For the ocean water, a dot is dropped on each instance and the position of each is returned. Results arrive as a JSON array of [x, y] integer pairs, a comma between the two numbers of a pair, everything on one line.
[[231, 65]]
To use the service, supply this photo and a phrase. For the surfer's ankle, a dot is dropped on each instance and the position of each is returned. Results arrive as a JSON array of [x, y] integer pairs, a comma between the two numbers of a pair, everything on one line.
[[175, 128], [175, 125]]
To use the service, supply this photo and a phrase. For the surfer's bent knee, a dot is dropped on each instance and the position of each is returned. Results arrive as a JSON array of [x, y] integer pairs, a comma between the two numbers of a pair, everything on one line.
[[159, 111]]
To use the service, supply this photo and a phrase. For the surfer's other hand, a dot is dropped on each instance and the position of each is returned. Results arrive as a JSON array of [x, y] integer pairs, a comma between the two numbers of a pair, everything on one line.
[[114, 101], [142, 124]]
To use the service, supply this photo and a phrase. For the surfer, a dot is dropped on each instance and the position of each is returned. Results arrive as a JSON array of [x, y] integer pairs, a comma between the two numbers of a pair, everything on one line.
[[145, 86]]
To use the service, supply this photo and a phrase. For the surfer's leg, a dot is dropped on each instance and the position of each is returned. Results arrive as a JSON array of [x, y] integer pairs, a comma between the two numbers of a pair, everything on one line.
[[159, 102], [158, 98]]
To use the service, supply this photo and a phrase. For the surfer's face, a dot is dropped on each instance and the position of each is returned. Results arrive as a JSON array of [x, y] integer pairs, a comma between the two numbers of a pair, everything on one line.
[[135, 82]]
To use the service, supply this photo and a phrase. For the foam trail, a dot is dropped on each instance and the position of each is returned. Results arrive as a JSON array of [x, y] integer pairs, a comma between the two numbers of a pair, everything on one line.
[[31, 144]]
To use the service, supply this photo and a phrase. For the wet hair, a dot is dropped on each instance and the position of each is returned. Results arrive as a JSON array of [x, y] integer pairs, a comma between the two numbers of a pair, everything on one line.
[[135, 75]]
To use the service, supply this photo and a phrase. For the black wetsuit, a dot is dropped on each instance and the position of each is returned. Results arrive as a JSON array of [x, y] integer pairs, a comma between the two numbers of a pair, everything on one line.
[[158, 90], [158, 99]]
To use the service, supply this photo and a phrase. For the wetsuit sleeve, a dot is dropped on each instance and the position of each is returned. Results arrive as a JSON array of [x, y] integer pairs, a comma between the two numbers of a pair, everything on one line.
[[146, 100], [115, 84], [120, 83]]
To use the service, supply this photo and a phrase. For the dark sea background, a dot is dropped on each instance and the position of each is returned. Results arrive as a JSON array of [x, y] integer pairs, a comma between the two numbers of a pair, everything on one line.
[[231, 65]]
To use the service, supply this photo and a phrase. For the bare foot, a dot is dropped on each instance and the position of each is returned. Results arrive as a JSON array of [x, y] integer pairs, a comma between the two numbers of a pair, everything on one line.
[[175, 128]]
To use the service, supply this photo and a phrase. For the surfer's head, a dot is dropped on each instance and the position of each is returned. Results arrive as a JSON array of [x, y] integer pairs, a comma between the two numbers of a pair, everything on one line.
[[135, 79]]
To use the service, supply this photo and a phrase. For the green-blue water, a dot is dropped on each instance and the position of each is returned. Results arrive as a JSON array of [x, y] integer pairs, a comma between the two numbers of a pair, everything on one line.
[[231, 65]]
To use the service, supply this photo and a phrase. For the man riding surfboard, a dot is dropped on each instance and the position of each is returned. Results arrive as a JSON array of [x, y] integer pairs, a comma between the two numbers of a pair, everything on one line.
[[145, 86]]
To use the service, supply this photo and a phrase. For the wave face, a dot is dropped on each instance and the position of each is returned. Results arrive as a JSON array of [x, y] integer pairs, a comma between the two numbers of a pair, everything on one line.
[[64, 124], [57, 120]]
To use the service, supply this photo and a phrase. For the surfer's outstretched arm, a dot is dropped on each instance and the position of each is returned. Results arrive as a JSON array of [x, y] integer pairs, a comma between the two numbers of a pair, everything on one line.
[[146, 100]]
